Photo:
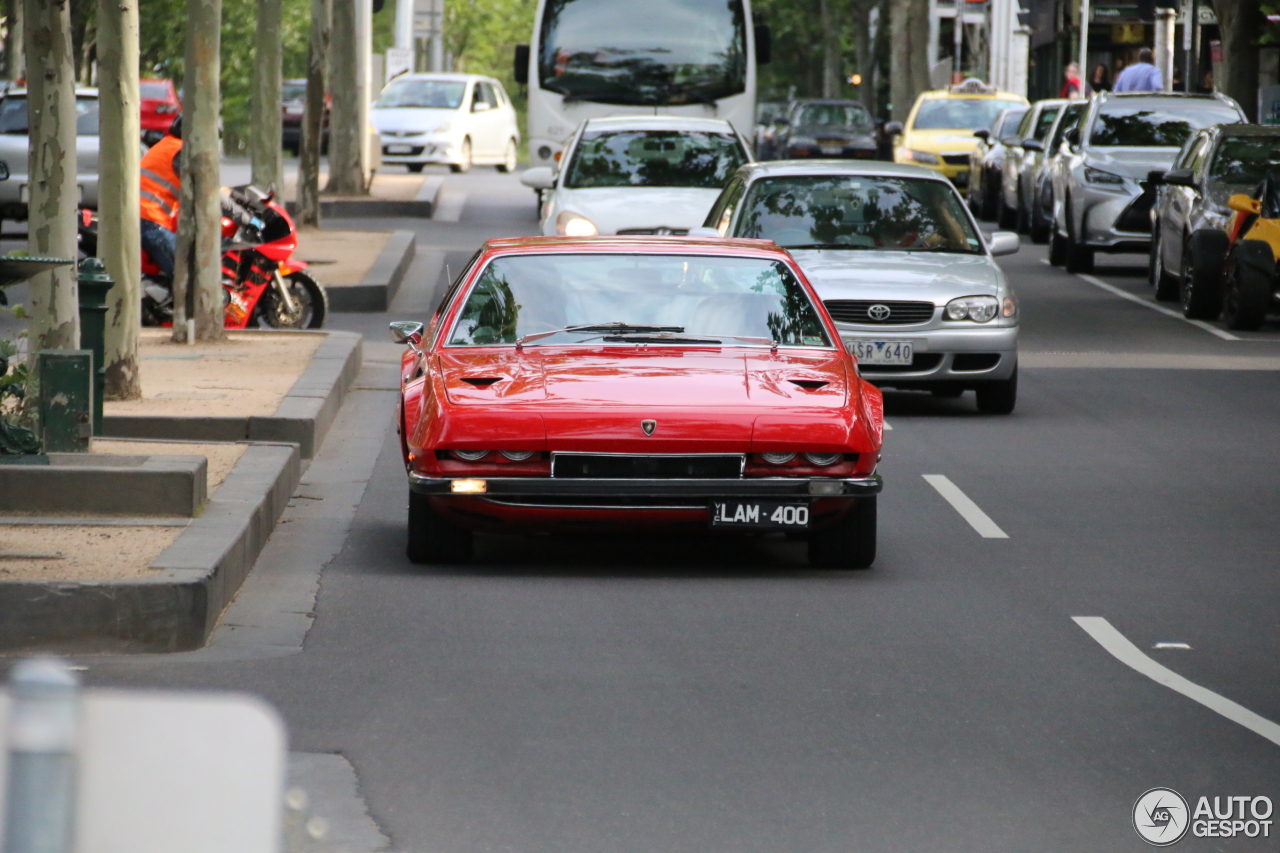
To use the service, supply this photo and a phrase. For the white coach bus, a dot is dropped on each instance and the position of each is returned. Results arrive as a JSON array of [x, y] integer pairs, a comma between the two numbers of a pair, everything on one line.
[[594, 58]]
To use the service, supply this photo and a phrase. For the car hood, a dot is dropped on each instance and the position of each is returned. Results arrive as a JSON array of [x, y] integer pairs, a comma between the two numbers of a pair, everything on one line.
[[940, 141], [922, 276], [1132, 163], [615, 209], [409, 118]]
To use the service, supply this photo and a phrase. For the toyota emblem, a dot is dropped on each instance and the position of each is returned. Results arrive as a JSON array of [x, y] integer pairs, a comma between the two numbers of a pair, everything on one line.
[[878, 312]]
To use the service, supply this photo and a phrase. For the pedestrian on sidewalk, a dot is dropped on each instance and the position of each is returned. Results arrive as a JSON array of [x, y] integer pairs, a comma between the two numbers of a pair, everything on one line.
[[1142, 76], [1071, 88]]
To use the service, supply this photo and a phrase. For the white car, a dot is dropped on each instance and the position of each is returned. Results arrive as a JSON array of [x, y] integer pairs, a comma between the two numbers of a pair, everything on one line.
[[448, 119], [638, 175]]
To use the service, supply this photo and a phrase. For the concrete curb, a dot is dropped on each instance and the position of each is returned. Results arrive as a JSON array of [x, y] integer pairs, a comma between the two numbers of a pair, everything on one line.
[[382, 281], [303, 416], [95, 484], [423, 206], [195, 578]]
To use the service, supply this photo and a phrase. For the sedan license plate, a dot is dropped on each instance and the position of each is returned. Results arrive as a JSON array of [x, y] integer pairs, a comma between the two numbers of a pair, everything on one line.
[[882, 352], [399, 149], [833, 149], [760, 515]]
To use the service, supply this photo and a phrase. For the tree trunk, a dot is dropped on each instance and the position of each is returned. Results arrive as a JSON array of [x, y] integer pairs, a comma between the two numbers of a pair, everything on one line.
[[864, 55], [264, 134], [197, 280], [119, 243], [15, 64], [909, 60], [830, 49], [1240, 23], [51, 226], [346, 177], [313, 118]]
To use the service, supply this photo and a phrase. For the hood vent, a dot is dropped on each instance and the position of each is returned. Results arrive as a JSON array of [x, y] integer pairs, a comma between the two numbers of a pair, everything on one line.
[[481, 381], [810, 384]]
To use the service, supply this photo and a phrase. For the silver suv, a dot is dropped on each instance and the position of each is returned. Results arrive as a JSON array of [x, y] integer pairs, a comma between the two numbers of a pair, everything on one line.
[[1102, 191]]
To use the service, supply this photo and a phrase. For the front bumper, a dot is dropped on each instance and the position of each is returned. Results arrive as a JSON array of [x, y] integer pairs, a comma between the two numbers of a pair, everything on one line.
[[965, 356], [420, 149], [1114, 220], [576, 487]]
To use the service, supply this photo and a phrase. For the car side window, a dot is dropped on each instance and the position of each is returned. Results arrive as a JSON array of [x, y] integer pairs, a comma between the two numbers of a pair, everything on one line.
[[1024, 126], [500, 93], [1188, 153], [722, 211], [490, 96]]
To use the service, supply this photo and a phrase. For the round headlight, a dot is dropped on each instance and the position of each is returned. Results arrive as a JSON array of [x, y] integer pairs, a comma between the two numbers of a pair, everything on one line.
[[823, 458], [517, 455], [572, 225], [979, 309], [957, 309], [471, 455], [777, 458]]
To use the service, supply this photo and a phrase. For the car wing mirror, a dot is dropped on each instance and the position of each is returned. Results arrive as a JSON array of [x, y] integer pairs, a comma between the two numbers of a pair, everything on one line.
[[982, 134], [1030, 144], [539, 178], [1242, 203], [406, 332], [893, 128], [1180, 178], [1155, 177], [1004, 243]]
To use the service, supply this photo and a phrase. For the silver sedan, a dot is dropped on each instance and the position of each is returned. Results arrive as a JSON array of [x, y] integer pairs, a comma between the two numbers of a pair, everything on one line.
[[900, 264], [14, 145]]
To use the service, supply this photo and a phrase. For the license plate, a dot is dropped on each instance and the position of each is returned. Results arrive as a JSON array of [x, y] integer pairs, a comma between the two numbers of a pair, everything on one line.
[[882, 352], [399, 149], [760, 515], [832, 149]]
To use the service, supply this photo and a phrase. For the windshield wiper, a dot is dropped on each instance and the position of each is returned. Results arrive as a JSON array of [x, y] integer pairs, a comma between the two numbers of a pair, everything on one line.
[[827, 246], [616, 327], [666, 338]]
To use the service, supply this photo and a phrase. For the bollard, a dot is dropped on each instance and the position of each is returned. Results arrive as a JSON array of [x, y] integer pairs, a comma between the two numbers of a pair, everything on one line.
[[66, 399], [94, 284], [44, 719]]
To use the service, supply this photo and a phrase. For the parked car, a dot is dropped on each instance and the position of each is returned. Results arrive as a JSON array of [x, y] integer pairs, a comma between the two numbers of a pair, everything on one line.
[[770, 117], [1189, 221], [841, 129], [15, 145], [638, 175], [985, 161], [293, 106], [451, 119], [1024, 151], [1041, 184], [160, 106], [900, 264], [1102, 193], [1252, 278], [566, 384], [938, 132]]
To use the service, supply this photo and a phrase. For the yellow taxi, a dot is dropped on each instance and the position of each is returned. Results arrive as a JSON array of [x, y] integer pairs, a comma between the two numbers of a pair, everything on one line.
[[939, 131]]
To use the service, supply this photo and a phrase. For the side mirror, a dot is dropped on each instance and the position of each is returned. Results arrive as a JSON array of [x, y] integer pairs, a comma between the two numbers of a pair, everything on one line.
[[1004, 243], [893, 128], [1072, 136], [703, 231], [406, 332], [1030, 144], [1155, 177], [1180, 178], [520, 69], [4, 171], [480, 107], [764, 43], [1244, 204], [982, 134], [540, 178]]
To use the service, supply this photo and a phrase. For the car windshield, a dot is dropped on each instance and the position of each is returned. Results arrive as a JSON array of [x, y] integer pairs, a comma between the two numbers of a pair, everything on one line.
[[834, 115], [423, 94], [155, 90], [850, 212], [959, 113], [13, 115], [1155, 125], [293, 92], [1244, 161], [656, 53], [1009, 121], [638, 298], [654, 158]]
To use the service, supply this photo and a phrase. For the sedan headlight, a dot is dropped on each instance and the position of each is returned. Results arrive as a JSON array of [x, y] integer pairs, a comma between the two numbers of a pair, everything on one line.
[[443, 127], [924, 157], [823, 459], [569, 224], [979, 309], [1097, 176], [777, 458], [471, 455]]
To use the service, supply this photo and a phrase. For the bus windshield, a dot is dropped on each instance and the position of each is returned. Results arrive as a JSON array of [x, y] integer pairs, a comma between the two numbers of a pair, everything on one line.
[[657, 53]]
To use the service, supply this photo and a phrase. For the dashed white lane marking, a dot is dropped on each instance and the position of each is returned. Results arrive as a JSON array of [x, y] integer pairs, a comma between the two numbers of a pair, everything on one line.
[[1185, 646], [1131, 656], [968, 510], [1177, 315]]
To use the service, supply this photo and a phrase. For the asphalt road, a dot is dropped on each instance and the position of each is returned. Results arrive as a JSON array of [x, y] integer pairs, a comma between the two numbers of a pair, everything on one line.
[[616, 694]]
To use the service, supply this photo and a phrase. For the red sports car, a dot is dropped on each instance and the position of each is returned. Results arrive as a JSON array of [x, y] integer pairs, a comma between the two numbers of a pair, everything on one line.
[[575, 383], [160, 106]]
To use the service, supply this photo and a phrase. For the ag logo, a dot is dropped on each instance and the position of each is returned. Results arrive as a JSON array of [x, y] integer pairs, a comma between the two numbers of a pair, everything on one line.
[[648, 426], [1160, 817], [879, 312]]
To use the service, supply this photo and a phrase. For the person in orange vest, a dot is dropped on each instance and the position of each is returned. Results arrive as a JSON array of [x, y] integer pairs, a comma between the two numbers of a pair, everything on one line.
[[161, 182]]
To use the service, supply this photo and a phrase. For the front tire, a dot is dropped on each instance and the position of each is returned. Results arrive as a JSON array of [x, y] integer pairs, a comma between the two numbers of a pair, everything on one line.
[[1040, 224], [415, 168], [850, 543], [308, 295], [998, 397], [1202, 263], [1249, 283], [509, 158], [1165, 285], [432, 540], [1057, 247], [464, 160]]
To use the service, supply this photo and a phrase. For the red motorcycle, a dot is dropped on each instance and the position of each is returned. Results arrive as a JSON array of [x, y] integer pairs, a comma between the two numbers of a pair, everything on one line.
[[263, 285]]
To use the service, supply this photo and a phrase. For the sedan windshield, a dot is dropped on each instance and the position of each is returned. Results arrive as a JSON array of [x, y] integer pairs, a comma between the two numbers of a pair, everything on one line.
[[423, 94], [654, 158], [834, 115], [13, 115], [1244, 161], [1156, 125], [637, 299], [849, 212], [959, 113]]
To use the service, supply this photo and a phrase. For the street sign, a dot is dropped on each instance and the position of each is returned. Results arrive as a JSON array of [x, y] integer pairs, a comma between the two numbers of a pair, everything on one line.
[[399, 61]]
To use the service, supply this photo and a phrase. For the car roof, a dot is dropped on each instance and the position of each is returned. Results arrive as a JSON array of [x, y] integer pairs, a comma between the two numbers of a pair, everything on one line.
[[938, 94], [657, 123], [444, 75], [877, 169], [844, 102], [1159, 97], [1241, 129], [730, 246], [81, 91]]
